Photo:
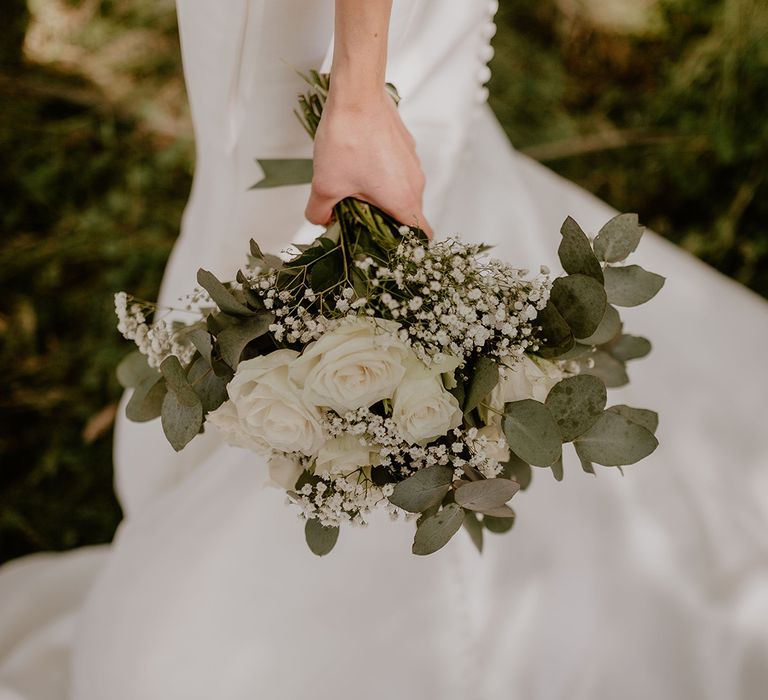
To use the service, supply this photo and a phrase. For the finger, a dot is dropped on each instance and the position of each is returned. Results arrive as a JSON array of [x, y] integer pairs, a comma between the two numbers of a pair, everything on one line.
[[319, 209]]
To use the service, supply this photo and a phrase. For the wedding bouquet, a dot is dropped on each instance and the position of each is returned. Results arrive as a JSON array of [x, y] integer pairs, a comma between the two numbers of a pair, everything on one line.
[[377, 369]]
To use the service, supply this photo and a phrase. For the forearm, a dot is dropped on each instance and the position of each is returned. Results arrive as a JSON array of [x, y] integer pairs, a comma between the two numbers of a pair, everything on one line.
[[360, 49]]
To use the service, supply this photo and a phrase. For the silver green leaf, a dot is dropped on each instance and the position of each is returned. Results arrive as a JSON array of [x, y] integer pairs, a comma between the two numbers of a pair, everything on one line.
[[486, 494], [576, 403], [233, 339], [642, 416], [435, 531], [498, 525], [615, 440], [609, 328], [134, 369], [631, 285], [484, 378], [606, 367], [221, 296], [630, 347], [557, 469], [532, 432], [474, 528], [575, 252], [146, 402], [618, 238], [181, 421], [422, 490], [581, 301], [210, 388], [321, 539]]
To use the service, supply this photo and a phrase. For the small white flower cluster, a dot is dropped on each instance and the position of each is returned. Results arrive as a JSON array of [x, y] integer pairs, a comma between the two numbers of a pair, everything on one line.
[[350, 496], [334, 500], [157, 340], [451, 299]]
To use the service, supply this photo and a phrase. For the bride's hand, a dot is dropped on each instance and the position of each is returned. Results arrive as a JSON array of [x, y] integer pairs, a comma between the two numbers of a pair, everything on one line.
[[363, 150]]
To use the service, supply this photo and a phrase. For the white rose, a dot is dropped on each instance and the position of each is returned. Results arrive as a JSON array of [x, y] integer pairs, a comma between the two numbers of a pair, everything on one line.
[[283, 471], [353, 366], [345, 454], [497, 447], [228, 423], [422, 408], [527, 378], [271, 408]]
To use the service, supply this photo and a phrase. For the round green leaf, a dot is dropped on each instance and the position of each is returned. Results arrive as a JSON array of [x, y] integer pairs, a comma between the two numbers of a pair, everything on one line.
[[426, 488], [575, 252], [609, 328], [134, 369], [615, 440], [233, 339], [435, 531], [486, 494], [498, 525], [630, 347], [606, 367], [555, 337], [532, 432], [474, 527], [581, 301], [642, 416], [181, 421], [320, 538], [631, 285], [576, 403], [146, 402], [618, 238], [210, 388], [485, 376]]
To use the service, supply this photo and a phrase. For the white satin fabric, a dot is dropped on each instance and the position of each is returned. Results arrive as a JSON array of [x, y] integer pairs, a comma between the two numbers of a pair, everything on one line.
[[650, 586]]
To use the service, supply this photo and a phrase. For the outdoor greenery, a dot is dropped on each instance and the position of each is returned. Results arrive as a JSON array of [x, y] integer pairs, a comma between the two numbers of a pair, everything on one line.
[[97, 153]]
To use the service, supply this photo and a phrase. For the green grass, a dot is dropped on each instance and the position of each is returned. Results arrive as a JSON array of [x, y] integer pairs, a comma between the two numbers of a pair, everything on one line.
[[671, 125]]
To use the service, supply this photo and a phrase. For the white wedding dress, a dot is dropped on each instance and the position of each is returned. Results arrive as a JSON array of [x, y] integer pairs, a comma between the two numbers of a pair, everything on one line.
[[654, 585]]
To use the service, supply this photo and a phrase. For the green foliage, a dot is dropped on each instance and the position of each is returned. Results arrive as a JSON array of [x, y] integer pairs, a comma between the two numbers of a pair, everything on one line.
[[320, 539], [435, 531], [423, 490]]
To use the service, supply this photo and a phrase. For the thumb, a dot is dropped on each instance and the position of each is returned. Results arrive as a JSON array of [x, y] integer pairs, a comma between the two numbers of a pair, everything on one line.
[[319, 209]]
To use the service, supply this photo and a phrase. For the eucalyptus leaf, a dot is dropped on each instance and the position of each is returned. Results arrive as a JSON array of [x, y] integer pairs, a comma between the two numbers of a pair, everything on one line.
[[631, 285], [486, 494], [502, 511], [630, 347], [618, 238], [422, 490], [255, 250], [321, 539], [146, 402], [134, 369], [176, 379], [327, 271], [531, 432], [201, 339], [557, 469], [233, 339], [578, 350], [576, 403], [556, 336], [498, 525], [581, 301], [586, 465], [515, 468], [575, 252], [210, 388], [642, 416], [279, 172], [181, 421], [221, 296], [609, 328], [484, 378], [615, 440], [435, 531], [606, 367], [474, 527]]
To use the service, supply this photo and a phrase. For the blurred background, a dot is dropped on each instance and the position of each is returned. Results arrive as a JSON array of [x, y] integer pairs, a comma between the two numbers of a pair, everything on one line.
[[656, 106]]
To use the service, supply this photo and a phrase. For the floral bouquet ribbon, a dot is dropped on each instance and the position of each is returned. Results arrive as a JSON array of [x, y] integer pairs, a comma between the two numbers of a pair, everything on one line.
[[377, 369]]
